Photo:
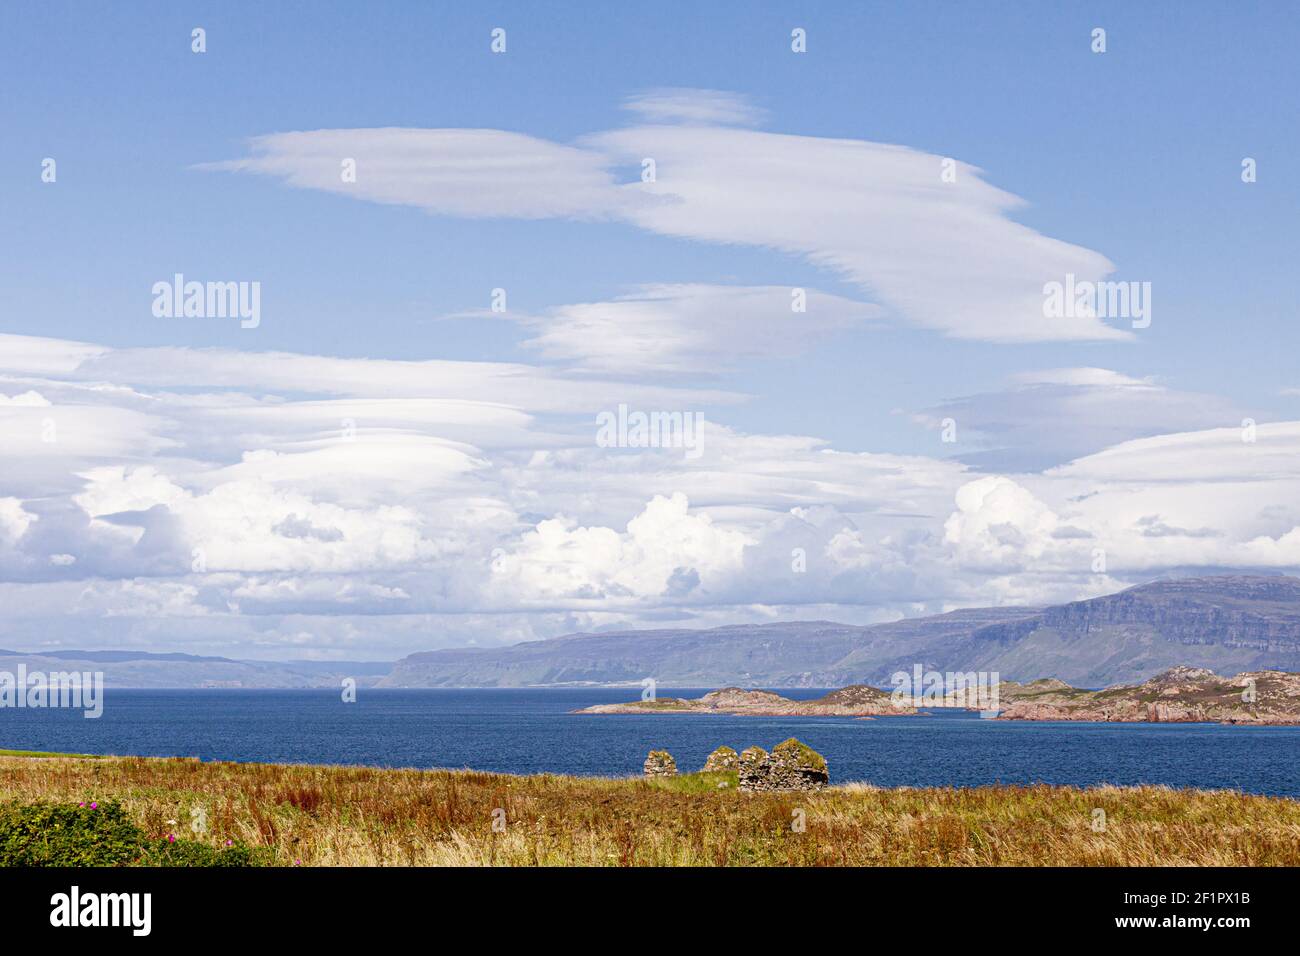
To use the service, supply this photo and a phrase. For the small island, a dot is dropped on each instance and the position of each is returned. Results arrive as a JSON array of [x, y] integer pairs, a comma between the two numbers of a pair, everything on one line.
[[857, 700]]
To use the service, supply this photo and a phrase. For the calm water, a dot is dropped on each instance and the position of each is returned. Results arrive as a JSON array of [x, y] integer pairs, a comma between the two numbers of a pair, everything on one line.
[[530, 731]]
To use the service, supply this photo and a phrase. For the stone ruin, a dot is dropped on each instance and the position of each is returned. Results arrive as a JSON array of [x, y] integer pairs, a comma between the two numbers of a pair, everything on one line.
[[660, 763], [790, 766], [722, 760]]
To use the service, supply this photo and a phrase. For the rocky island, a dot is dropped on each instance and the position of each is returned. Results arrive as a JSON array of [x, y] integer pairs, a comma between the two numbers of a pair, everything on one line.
[[1179, 695], [857, 700]]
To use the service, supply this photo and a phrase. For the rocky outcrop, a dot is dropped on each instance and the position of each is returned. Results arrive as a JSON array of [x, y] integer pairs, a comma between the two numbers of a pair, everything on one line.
[[855, 701], [791, 766], [1179, 695], [722, 760], [660, 763]]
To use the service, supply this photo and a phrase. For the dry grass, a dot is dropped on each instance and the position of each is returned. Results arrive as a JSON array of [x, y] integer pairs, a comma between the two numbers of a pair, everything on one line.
[[330, 816]]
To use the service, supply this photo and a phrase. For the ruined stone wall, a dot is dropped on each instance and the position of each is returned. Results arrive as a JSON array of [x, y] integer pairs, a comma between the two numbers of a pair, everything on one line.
[[791, 766], [660, 763]]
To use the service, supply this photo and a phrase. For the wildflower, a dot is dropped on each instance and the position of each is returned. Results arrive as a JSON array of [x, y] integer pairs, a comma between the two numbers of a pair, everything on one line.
[[94, 805], [230, 843], [171, 838]]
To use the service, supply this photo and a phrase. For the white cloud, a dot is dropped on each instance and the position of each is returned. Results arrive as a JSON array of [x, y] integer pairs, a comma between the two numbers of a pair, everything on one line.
[[511, 385], [14, 519], [32, 354], [458, 172], [303, 528], [1049, 417], [467, 501], [944, 255], [27, 399], [249, 525], [686, 105], [666, 553], [998, 525], [691, 329]]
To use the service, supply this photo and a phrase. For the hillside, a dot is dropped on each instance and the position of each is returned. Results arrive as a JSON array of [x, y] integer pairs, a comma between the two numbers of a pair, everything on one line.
[[1228, 624]]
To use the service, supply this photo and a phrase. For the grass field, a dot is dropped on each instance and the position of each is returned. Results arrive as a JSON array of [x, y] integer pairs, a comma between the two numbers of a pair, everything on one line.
[[42, 753], [328, 816]]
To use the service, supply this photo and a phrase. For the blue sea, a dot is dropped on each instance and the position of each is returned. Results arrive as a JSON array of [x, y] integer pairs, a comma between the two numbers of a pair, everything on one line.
[[533, 731]]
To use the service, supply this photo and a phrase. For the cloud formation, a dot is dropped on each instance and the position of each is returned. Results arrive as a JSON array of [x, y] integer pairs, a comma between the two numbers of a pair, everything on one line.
[[691, 329], [266, 504], [923, 234], [328, 505], [1047, 418]]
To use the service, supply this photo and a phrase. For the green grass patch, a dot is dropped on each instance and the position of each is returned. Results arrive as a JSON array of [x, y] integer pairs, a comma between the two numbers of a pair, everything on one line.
[[696, 782], [44, 753]]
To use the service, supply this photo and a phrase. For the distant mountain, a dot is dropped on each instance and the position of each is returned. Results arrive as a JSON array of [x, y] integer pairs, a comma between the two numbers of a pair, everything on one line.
[[146, 670], [1227, 624], [119, 657]]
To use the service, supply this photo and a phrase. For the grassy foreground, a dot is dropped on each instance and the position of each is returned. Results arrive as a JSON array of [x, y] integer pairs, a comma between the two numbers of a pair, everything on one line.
[[329, 816]]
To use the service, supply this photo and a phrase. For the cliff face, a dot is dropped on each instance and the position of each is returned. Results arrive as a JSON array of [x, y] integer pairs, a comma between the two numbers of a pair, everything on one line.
[[1229, 624], [1233, 612]]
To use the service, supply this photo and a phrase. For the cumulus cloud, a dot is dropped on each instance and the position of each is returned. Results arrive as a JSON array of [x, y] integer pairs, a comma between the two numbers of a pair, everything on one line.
[[14, 519], [666, 552], [998, 524], [252, 526]]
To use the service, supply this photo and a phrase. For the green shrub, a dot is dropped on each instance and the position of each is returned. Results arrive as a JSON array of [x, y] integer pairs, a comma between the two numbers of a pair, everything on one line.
[[51, 834], [189, 853]]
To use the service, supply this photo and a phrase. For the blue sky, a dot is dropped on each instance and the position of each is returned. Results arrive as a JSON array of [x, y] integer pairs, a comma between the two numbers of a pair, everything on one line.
[[1132, 155]]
